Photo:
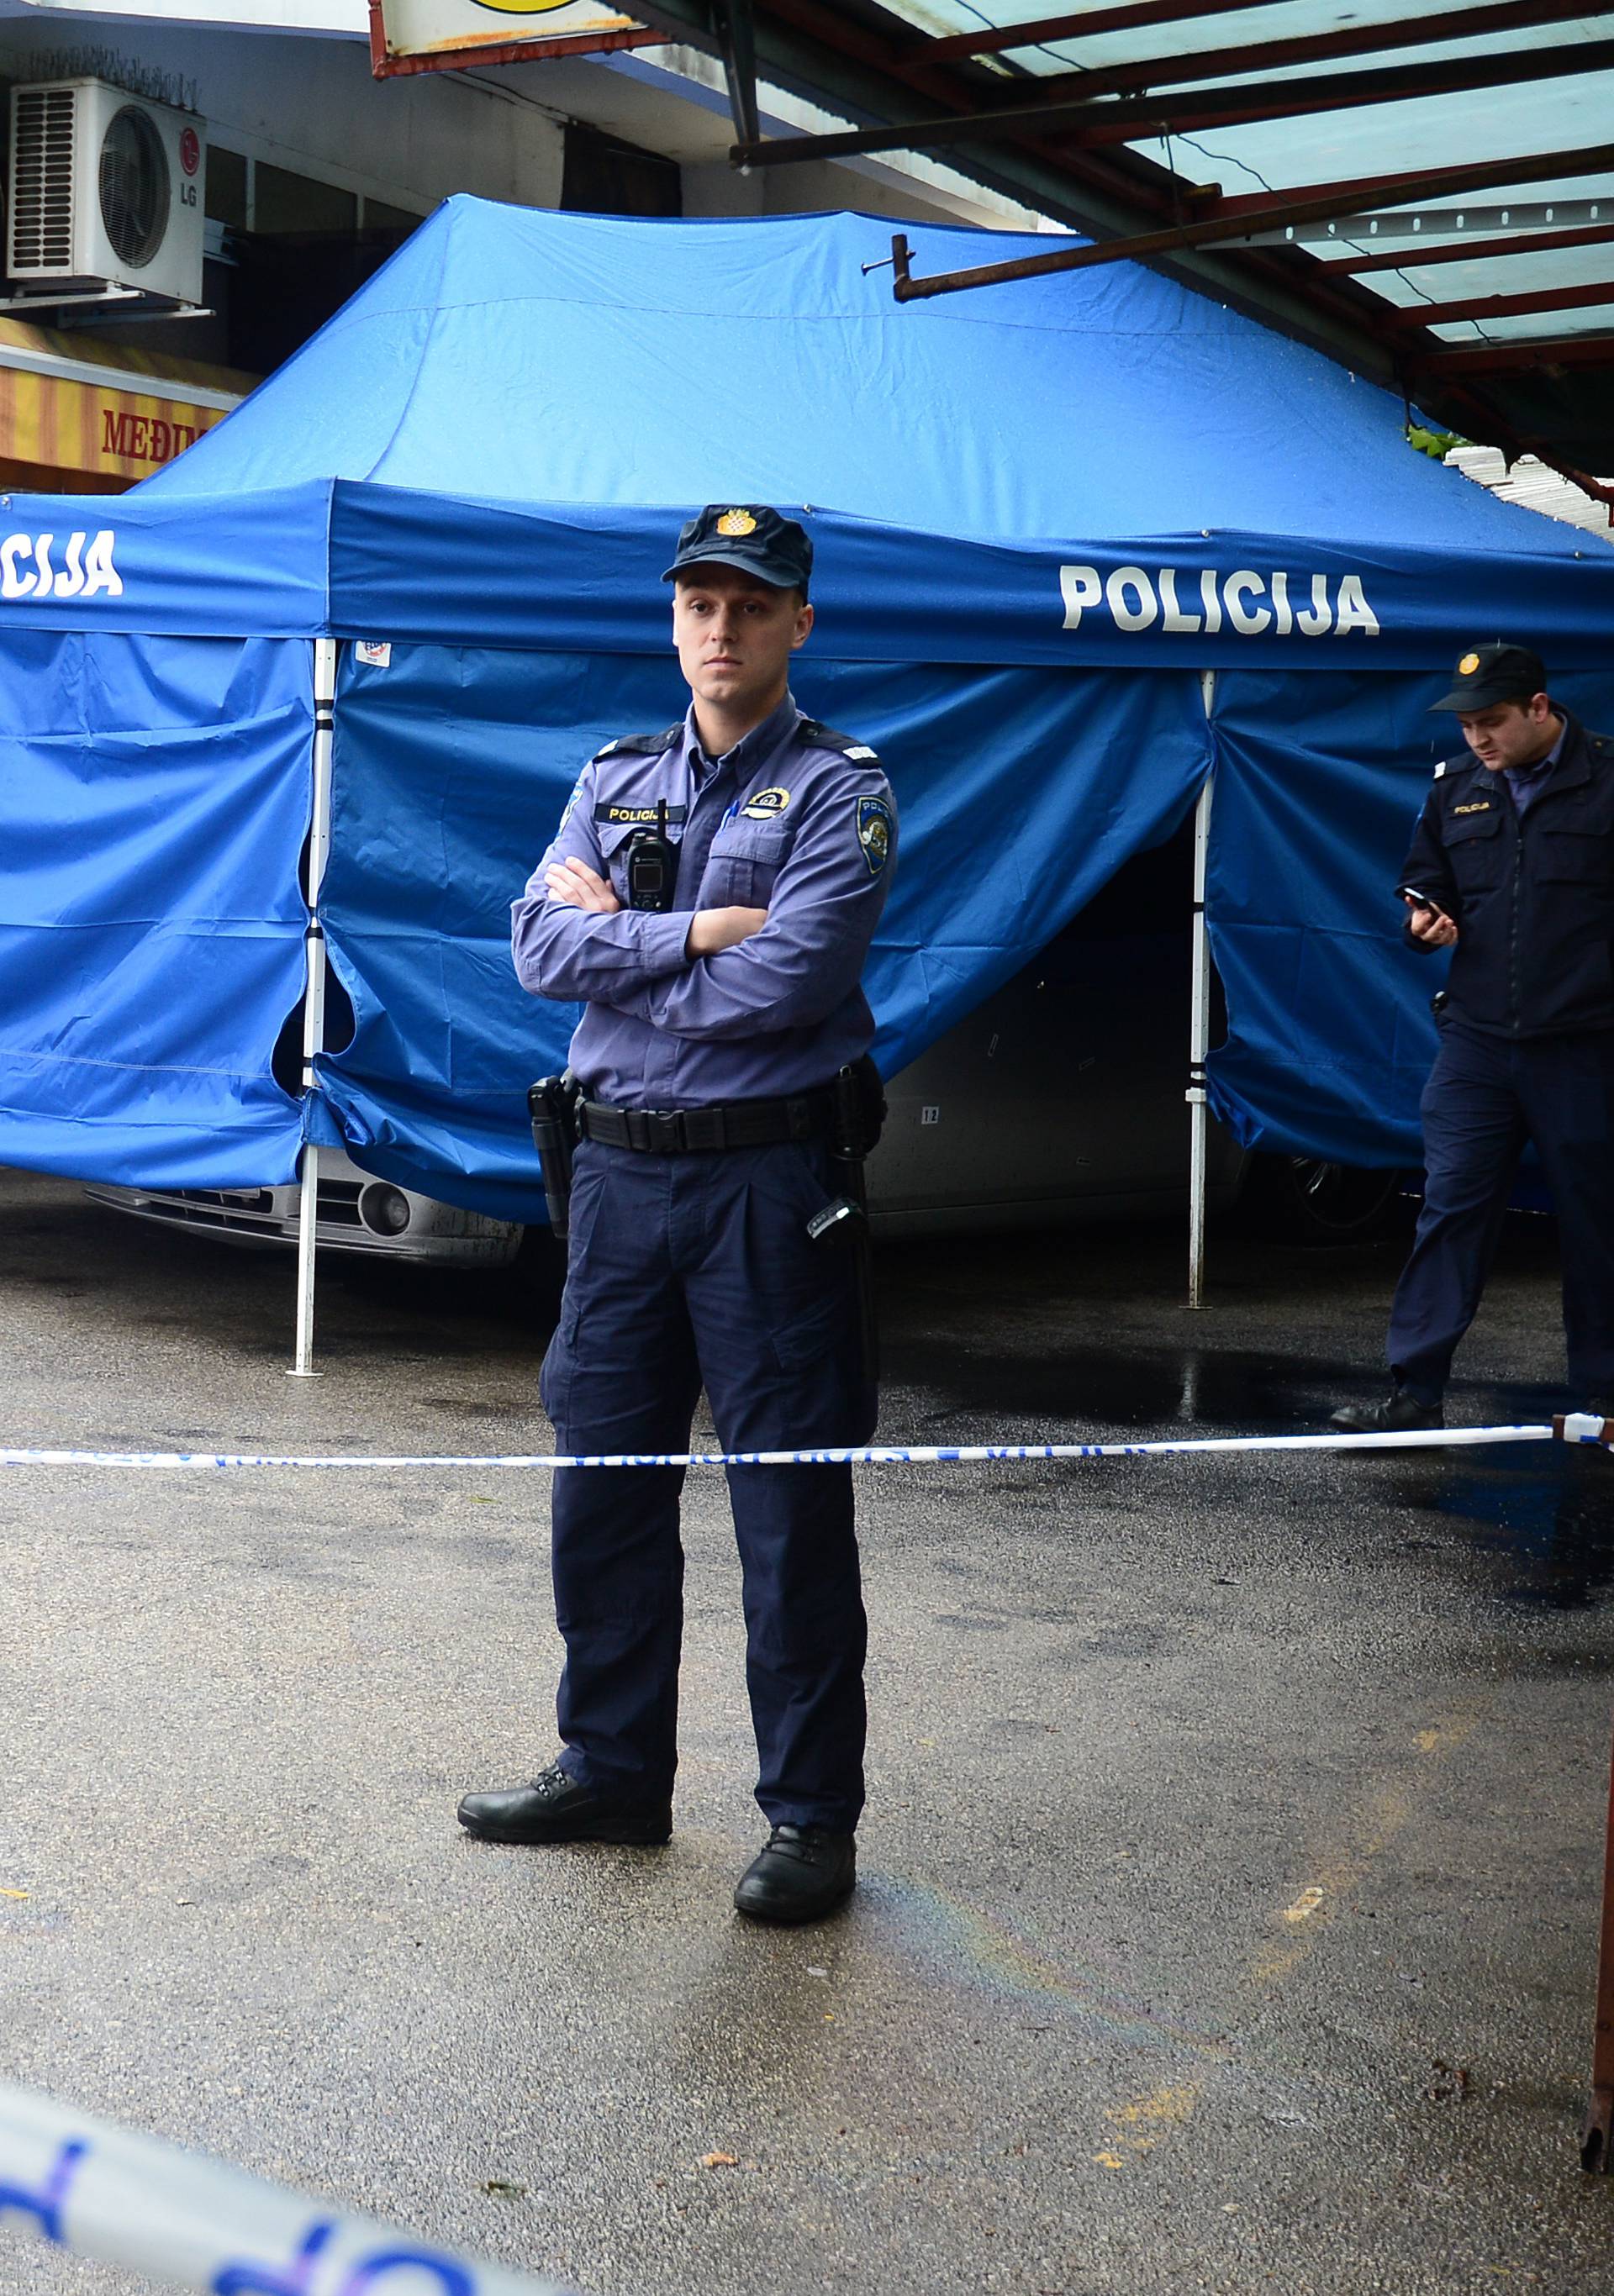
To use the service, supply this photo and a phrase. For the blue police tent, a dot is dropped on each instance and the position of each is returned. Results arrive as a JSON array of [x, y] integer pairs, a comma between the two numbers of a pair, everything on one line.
[[1081, 542]]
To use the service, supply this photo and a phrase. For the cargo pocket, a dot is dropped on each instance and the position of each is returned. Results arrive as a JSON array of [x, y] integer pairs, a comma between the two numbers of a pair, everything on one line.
[[745, 858], [1574, 856], [1476, 858], [800, 1340]]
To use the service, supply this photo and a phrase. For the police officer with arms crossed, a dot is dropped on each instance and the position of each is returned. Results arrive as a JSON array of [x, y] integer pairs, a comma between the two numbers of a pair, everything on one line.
[[1512, 869], [713, 1033]]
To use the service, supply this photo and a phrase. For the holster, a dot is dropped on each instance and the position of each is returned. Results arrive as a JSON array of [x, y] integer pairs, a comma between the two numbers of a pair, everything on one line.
[[552, 1104]]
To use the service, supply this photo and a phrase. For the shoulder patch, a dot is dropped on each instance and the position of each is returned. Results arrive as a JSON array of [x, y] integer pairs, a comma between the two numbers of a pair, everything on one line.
[[643, 745], [825, 737], [873, 818], [570, 807]]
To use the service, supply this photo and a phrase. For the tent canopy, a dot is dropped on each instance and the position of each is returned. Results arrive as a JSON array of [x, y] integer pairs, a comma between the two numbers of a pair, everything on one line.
[[1040, 513], [535, 356]]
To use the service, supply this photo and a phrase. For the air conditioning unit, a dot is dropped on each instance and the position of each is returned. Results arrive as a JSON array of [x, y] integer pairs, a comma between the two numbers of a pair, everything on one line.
[[106, 190]]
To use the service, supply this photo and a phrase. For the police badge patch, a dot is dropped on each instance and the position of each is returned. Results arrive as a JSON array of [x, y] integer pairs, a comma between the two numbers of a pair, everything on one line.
[[874, 831], [763, 805]]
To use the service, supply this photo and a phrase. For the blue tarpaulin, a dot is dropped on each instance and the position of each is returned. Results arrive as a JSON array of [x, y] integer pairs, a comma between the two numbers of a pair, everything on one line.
[[1039, 510], [153, 797]]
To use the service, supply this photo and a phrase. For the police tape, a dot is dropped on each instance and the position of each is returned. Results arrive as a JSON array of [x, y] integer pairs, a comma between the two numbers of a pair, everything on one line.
[[186, 2221], [1572, 1427]]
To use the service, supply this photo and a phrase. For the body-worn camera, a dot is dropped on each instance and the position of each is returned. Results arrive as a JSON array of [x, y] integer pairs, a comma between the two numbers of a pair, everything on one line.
[[652, 864]]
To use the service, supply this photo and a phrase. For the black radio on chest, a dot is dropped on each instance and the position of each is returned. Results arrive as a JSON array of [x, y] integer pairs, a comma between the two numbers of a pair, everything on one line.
[[652, 864]]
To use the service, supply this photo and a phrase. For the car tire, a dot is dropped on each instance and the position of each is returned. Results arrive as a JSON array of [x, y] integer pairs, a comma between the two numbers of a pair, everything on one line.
[[1307, 1200]]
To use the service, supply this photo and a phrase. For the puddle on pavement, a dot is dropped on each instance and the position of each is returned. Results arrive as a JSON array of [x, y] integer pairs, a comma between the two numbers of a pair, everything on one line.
[[1102, 1386], [1555, 1523]]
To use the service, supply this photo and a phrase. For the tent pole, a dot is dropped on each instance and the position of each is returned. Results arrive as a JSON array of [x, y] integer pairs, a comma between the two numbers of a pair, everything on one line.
[[314, 993], [1199, 1029]]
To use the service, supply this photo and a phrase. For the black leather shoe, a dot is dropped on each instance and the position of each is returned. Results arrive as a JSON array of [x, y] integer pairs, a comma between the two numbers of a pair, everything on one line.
[[1398, 1415], [554, 1807], [803, 1874]]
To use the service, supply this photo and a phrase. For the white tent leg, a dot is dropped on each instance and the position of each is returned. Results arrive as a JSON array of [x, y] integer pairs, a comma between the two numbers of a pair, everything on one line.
[[1198, 1032], [314, 994]]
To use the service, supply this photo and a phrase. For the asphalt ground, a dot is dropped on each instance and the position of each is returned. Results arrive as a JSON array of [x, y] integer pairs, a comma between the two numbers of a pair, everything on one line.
[[1228, 1918]]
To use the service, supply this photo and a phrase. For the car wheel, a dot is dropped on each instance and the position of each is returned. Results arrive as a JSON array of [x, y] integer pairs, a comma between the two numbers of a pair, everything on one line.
[[1307, 1200]]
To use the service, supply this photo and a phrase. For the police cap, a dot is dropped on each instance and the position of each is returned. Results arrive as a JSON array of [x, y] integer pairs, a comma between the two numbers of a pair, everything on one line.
[[749, 536], [1489, 674]]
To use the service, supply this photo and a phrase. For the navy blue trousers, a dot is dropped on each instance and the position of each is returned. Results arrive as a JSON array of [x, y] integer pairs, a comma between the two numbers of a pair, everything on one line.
[[686, 1271], [1486, 1097]]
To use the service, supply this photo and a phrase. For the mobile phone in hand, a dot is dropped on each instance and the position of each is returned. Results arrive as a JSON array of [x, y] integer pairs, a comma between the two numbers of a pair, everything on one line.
[[1416, 898]]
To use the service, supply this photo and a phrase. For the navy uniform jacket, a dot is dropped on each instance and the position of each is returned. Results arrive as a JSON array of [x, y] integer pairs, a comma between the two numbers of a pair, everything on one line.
[[1532, 894], [797, 819]]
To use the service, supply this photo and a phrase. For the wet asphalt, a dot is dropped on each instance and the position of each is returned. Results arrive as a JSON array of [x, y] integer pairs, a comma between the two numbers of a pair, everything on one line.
[[1230, 1877]]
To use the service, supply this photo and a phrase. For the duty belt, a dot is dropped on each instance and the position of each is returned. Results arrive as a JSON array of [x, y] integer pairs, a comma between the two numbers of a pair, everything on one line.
[[731, 1124]]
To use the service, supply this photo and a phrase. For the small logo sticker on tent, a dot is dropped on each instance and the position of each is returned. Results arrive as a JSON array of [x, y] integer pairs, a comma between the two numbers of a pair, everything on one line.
[[376, 652]]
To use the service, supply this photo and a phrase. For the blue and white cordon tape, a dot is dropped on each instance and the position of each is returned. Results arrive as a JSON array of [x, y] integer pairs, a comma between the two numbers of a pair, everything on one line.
[[186, 2221], [1572, 1427]]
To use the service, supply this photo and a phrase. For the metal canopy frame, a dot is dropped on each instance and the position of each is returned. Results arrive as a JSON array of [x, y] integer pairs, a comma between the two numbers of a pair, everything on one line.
[[1060, 141]]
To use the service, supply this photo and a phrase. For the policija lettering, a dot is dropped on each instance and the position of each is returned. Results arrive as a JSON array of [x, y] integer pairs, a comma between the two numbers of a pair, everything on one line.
[[1243, 601], [369, 2273], [27, 569]]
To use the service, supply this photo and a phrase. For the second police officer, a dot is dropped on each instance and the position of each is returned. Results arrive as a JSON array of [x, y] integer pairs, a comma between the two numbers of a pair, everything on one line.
[[1512, 869], [716, 1023]]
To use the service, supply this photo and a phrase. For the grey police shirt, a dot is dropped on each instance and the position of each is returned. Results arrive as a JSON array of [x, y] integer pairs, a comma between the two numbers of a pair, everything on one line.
[[795, 819]]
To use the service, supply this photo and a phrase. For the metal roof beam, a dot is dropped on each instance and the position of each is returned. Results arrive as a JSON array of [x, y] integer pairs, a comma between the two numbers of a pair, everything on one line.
[[996, 40], [1474, 250], [1516, 358], [1081, 124], [1235, 219], [1518, 224], [1140, 72], [1502, 307]]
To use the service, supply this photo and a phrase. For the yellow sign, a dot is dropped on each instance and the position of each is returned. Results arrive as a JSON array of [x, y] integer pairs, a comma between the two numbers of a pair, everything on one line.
[[405, 33], [54, 424], [1468, 665]]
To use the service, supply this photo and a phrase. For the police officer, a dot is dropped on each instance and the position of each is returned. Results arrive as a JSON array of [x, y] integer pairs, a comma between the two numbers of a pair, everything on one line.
[[712, 1034], [1512, 869]]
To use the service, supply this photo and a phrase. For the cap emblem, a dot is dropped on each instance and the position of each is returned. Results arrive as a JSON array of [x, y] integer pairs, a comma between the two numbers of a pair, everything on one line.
[[1468, 665], [736, 523]]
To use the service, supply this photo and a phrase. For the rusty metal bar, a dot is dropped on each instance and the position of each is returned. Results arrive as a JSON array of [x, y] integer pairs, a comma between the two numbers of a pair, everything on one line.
[[990, 41], [1079, 123], [1597, 2141], [1236, 219], [1141, 72], [1413, 257], [1501, 307], [1515, 358]]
